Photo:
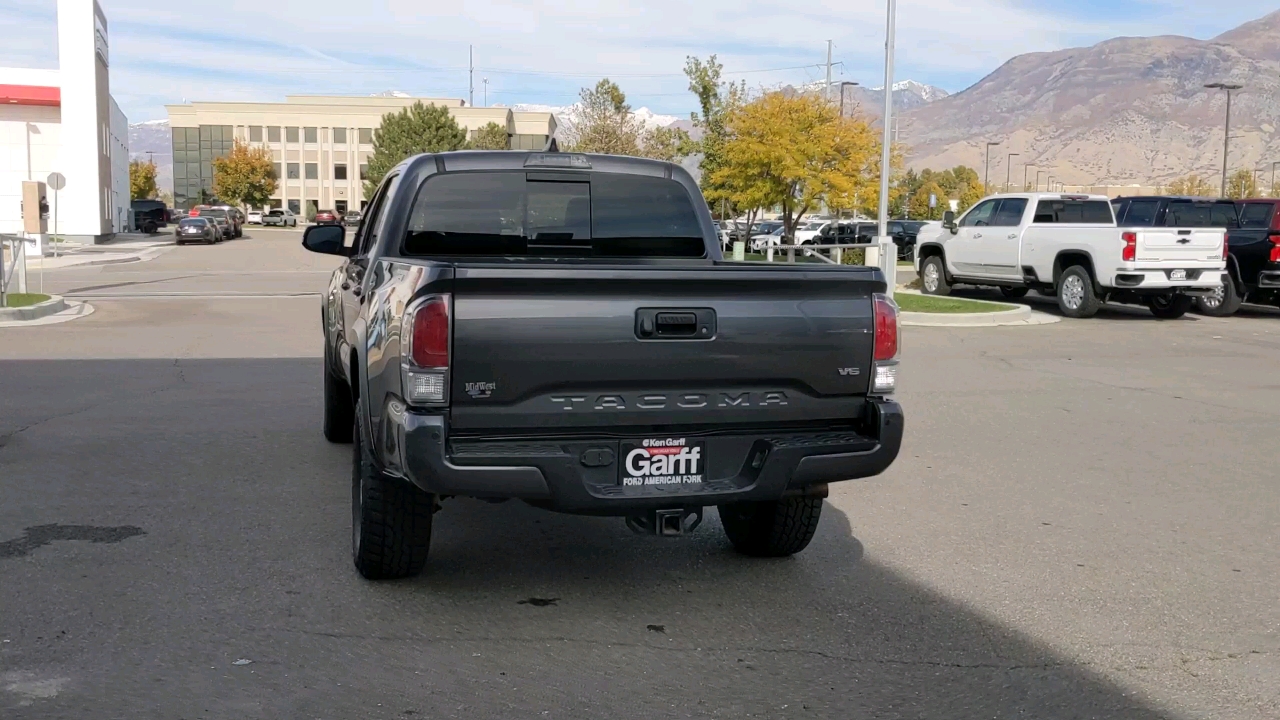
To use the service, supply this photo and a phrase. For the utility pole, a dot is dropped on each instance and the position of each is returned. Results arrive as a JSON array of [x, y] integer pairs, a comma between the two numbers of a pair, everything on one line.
[[827, 89], [1226, 136], [1046, 187], [1008, 171], [1273, 178], [888, 253], [986, 169], [471, 76], [486, 91]]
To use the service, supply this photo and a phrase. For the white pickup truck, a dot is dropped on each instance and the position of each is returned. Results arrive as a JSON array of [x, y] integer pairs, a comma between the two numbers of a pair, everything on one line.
[[1069, 246]]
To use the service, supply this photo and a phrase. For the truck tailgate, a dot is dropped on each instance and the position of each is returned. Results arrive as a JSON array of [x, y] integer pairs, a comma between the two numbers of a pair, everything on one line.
[[1180, 245], [595, 347]]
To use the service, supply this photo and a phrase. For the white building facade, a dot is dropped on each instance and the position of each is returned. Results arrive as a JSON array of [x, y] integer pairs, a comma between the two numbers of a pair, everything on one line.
[[66, 121]]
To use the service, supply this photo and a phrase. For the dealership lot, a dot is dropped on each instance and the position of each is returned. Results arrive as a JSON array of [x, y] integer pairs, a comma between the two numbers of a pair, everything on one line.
[[1082, 523]]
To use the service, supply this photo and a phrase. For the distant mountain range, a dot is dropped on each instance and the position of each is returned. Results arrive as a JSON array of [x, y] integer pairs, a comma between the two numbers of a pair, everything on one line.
[[1128, 110]]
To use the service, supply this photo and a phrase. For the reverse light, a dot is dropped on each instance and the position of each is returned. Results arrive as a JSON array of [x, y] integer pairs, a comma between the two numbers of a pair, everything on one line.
[[1130, 252], [884, 377], [424, 358]]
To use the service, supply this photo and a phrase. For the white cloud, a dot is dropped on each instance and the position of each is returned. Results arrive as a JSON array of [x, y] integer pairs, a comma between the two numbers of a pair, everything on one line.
[[542, 51]]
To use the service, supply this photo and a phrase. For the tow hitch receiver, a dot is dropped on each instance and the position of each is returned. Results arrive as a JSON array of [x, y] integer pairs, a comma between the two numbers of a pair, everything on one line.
[[667, 523]]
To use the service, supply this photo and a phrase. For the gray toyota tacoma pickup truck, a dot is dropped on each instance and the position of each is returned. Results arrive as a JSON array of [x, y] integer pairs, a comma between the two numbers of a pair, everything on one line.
[[562, 329]]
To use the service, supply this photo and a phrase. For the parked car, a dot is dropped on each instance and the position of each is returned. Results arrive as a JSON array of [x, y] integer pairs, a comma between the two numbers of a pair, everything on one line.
[[464, 358], [223, 224], [281, 217], [352, 218], [1187, 212], [149, 215], [904, 234], [809, 231], [1253, 260], [328, 217], [254, 218], [1070, 244], [230, 216], [197, 229], [762, 241]]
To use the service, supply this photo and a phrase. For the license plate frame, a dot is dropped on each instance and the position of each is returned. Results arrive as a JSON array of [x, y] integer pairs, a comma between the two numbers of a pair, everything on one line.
[[1177, 274], [662, 462]]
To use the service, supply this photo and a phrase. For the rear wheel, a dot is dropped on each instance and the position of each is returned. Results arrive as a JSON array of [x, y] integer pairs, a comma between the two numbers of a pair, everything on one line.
[[1076, 298], [1169, 307], [771, 529], [1224, 303], [1013, 293], [390, 519], [933, 277]]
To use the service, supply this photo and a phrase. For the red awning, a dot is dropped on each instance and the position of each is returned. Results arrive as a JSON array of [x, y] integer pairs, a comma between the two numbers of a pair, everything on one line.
[[30, 95]]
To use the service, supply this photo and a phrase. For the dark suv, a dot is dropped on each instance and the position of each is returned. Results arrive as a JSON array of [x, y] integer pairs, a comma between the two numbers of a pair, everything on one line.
[[1253, 261]]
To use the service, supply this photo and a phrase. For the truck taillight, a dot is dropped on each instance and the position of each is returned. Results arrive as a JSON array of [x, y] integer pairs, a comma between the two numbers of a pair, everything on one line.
[[425, 351], [884, 370], [1275, 247], [1130, 252], [1225, 247]]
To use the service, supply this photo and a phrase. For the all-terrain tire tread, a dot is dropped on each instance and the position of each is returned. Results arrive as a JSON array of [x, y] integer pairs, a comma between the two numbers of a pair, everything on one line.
[[395, 528]]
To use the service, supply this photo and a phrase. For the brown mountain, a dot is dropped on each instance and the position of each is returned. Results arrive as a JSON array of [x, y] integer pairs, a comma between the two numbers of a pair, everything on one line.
[[1128, 110]]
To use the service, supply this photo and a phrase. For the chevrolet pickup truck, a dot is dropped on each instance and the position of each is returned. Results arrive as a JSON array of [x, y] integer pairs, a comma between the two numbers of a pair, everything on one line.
[[562, 329], [1070, 246]]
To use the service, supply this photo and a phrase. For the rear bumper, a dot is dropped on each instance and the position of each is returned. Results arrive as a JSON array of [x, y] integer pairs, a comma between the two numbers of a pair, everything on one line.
[[570, 474], [1198, 281]]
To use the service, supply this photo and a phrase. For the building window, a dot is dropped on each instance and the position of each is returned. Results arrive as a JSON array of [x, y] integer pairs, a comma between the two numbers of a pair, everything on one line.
[[295, 206], [276, 170], [292, 169], [273, 134], [339, 172], [340, 206], [313, 171], [255, 133], [366, 136], [310, 135], [339, 136], [291, 134], [364, 170]]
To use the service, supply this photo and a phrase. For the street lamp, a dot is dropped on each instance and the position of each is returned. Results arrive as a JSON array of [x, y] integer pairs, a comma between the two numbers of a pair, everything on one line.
[[843, 85], [1008, 171], [1046, 187], [986, 168], [1273, 178], [1226, 136]]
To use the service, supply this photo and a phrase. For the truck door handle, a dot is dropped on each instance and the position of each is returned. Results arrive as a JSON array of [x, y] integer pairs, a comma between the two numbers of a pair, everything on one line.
[[663, 324], [1013, 236]]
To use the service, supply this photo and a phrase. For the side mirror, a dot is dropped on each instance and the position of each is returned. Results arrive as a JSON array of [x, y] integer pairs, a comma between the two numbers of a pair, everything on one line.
[[949, 220], [325, 239]]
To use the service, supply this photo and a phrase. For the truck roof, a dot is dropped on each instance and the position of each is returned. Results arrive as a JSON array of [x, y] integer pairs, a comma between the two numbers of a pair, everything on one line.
[[1049, 196]]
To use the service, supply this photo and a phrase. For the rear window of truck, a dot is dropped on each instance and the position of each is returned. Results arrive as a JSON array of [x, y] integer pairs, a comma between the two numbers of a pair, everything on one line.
[[1192, 214], [519, 214], [1081, 212], [1256, 215]]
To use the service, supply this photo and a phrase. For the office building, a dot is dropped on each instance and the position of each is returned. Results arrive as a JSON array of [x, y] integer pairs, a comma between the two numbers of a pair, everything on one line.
[[320, 144]]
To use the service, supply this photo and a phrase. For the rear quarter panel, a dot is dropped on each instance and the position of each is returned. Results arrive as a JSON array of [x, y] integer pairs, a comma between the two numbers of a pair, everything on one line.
[[1042, 244]]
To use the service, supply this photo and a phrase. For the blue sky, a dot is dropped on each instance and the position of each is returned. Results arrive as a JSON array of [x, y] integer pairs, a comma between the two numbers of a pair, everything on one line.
[[543, 51]]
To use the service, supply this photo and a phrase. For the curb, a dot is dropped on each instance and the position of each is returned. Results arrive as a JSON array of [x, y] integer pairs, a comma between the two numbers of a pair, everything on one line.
[[54, 305], [1020, 315]]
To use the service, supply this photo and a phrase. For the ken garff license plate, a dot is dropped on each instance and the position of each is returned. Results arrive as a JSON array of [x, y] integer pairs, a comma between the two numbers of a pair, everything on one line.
[[663, 461], [1177, 274]]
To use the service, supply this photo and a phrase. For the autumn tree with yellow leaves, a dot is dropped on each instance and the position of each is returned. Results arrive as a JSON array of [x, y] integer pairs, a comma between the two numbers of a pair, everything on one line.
[[796, 152], [244, 176]]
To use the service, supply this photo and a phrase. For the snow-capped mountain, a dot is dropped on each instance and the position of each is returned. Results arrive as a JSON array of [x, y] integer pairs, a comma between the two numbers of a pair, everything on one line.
[[926, 93], [566, 115]]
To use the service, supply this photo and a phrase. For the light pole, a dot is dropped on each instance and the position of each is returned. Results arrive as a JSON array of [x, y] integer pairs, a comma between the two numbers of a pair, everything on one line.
[[1046, 187], [888, 256], [986, 169], [843, 85], [1226, 136], [1026, 169], [1008, 171], [1273, 178]]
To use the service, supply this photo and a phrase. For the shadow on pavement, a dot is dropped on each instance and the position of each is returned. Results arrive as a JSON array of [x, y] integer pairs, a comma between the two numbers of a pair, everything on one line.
[[522, 613]]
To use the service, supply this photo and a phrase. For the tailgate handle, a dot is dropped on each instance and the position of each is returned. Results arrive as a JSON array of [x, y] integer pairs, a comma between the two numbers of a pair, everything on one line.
[[1184, 232], [663, 324]]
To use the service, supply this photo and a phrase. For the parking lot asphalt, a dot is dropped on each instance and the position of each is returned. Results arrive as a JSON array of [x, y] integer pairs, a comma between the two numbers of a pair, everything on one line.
[[1083, 523]]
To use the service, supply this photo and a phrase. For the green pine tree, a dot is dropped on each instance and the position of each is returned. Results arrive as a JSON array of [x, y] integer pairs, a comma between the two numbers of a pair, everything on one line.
[[416, 129]]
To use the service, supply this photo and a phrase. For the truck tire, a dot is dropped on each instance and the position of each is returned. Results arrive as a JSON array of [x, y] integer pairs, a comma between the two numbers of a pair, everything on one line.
[[771, 529], [390, 518], [1076, 298], [339, 411], [1169, 307], [933, 276], [1013, 293], [1223, 304]]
